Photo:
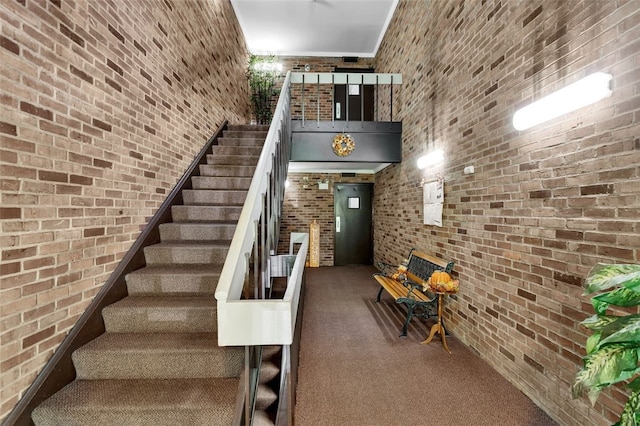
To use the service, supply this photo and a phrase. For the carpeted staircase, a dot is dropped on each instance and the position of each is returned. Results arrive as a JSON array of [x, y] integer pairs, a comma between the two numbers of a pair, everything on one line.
[[158, 362]]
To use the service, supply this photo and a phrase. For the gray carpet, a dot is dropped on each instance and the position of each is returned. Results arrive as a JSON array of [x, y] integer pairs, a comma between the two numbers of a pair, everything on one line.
[[355, 370]]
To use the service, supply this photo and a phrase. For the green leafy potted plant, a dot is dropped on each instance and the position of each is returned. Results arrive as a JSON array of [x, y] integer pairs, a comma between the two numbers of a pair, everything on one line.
[[613, 350], [263, 73]]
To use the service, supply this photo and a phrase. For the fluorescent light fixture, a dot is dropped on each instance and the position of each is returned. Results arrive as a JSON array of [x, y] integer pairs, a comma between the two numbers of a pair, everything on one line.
[[431, 158], [583, 92]]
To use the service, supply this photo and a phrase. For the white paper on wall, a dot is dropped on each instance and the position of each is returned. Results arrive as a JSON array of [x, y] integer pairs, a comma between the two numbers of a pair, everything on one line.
[[433, 214], [433, 194]]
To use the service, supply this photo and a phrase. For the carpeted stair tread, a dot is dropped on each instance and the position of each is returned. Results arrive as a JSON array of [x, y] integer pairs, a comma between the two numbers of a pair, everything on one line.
[[191, 213], [232, 160], [236, 150], [268, 371], [220, 231], [239, 140], [225, 170], [248, 127], [214, 197], [175, 279], [142, 314], [191, 252], [270, 351], [262, 418], [214, 182], [245, 132], [265, 397], [141, 402], [157, 356]]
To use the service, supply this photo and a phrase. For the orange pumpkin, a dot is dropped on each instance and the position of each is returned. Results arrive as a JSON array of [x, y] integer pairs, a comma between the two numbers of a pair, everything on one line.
[[439, 277]]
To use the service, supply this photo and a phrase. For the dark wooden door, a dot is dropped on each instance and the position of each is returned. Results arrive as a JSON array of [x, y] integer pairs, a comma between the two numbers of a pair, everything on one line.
[[353, 224]]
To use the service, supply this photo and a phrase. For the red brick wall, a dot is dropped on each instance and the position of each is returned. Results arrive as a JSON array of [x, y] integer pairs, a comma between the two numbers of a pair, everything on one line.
[[104, 104], [545, 204]]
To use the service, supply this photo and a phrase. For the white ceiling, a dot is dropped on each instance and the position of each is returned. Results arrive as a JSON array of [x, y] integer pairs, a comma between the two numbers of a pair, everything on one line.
[[329, 28]]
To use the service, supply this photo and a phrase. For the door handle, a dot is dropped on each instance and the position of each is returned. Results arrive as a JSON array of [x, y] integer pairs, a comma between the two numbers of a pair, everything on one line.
[[337, 223]]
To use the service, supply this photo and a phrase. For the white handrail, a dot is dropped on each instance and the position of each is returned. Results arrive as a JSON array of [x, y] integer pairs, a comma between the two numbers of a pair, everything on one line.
[[264, 321], [237, 322]]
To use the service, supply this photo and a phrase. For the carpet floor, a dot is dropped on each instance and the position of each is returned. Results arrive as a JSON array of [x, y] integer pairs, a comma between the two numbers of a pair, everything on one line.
[[355, 370]]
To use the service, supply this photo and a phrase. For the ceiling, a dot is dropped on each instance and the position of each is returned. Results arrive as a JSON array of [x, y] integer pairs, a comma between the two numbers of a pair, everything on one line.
[[325, 28], [332, 28]]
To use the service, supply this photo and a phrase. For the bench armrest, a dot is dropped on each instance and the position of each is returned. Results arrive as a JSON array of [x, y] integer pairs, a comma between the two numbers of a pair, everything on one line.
[[413, 286], [384, 267]]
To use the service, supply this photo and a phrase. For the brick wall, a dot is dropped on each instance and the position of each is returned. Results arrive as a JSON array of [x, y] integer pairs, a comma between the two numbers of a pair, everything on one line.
[[545, 204], [304, 203], [104, 104]]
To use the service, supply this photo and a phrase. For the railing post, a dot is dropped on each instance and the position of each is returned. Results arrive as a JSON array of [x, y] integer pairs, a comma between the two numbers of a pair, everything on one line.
[[377, 98], [362, 101], [347, 101], [333, 100], [391, 100], [302, 100]]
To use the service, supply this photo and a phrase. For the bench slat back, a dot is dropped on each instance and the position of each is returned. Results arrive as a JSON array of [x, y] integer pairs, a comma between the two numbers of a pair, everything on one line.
[[422, 265]]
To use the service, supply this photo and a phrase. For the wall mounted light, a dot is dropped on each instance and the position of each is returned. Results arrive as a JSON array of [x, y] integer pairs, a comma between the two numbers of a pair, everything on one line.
[[431, 158], [583, 92], [287, 183]]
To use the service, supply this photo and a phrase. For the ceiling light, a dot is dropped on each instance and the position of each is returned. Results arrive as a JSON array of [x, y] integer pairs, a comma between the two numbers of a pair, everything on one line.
[[431, 158], [575, 96]]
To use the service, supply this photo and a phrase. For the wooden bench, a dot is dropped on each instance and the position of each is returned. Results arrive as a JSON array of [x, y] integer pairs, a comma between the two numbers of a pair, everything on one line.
[[407, 287]]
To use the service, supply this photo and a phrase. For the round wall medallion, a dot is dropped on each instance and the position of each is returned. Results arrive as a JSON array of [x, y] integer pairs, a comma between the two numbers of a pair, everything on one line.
[[343, 145]]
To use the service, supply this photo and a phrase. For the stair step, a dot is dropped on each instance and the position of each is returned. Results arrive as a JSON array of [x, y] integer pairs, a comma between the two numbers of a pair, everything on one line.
[[213, 197], [249, 139], [270, 351], [268, 371], [233, 160], [197, 231], [262, 418], [191, 280], [236, 150], [213, 182], [265, 397], [198, 213], [157, 356], [247, 130], [187, 253], [141, 402], [158, 314], [226, 170]]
